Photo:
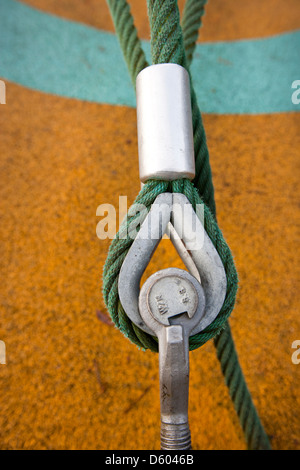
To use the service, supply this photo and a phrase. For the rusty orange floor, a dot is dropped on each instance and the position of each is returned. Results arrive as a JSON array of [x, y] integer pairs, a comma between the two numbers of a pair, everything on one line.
[[72, 381]]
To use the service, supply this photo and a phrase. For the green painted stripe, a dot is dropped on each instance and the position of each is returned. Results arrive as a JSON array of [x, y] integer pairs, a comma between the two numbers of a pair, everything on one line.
[[51, 54]]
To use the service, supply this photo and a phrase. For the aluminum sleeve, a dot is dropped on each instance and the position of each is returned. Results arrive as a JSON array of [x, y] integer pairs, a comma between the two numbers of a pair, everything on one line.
[[164, 121]]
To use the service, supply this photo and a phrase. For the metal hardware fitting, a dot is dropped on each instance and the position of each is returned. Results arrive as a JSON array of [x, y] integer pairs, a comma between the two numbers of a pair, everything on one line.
[[164, 121], [193, 244], [172, 304]]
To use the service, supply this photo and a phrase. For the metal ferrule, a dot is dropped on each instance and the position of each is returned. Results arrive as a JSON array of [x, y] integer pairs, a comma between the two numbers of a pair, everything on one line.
[[164, 121]]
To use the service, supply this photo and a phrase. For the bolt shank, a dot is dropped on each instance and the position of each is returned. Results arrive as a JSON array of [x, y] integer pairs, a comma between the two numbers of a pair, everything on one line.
[[174, 388]]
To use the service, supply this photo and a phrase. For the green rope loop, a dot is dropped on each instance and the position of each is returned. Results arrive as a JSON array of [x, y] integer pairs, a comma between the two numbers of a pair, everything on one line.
[[119, 249]]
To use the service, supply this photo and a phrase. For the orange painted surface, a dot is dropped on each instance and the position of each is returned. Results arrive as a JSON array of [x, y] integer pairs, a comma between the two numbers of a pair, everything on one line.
[[223, 20], [72, 381]]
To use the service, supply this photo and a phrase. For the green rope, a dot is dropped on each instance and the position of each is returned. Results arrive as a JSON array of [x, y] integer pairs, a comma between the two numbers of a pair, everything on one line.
[[254, 432], [128, 38], [119, 249], [191, 22], [164, 24], [168, 44]]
